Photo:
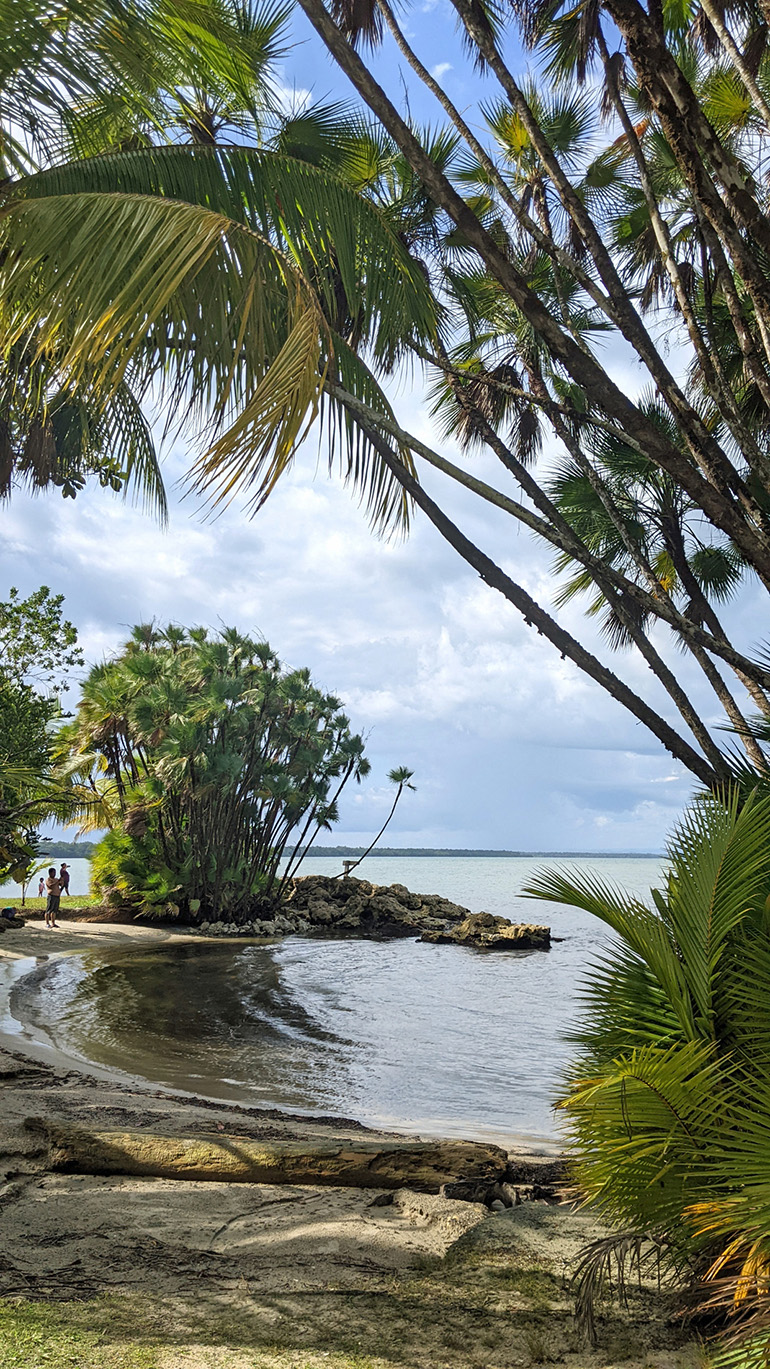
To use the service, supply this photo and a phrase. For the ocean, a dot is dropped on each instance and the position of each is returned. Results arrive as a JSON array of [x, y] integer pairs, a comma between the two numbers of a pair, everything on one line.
[[438, 1040]]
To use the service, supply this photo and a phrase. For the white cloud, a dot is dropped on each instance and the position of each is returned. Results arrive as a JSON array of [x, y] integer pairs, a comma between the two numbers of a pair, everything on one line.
[[291, 99], [440, 70], [512, 747]]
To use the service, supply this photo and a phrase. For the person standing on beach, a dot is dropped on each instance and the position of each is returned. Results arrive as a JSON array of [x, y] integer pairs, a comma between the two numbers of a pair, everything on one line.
[[53, 886], [64, 878], [41, 887]]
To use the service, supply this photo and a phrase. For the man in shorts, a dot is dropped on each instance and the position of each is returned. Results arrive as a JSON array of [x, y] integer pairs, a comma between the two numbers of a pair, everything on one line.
[[53, 888]]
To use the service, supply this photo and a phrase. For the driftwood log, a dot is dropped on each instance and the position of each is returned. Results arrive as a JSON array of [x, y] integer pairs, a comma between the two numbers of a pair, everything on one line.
[[423, 1166]]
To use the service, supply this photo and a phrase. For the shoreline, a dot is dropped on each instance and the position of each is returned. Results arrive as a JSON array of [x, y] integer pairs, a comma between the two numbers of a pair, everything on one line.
[[196, 1272], [273, 1275], [21, 954]]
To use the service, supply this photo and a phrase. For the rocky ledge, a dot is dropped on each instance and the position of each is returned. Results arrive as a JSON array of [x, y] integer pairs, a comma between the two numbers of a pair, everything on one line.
[[490, 933], [325, 906]]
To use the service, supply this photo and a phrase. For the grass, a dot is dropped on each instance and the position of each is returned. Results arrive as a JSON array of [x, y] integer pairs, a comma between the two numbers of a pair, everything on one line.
[[37, 1335], [37, 905], [127, 1332], [464, 1314]]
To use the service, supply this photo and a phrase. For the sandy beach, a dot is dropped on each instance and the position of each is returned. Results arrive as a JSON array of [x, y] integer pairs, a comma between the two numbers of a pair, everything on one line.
[[35, 939], [285, 1276]]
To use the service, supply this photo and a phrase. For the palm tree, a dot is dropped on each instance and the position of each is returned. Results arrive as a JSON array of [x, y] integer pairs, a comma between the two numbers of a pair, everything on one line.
[[667, 1102], [250, 286], [401, 777], [213, 275], [645, 521]]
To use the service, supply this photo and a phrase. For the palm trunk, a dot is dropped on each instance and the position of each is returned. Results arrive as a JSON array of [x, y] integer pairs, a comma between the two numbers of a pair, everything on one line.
[[693, 139], [554, 528], [713, 498], [535, 616]]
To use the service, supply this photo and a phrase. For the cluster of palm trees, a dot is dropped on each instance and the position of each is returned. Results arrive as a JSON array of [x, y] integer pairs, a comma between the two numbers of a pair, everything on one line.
[[172, 240], [212, 767]]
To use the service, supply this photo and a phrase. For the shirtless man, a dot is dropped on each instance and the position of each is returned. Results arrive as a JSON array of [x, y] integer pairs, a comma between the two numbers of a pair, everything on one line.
[[53, 887]]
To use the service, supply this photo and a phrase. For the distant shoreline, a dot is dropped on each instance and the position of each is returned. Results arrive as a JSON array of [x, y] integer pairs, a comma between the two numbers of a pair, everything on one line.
[[449, 851], [84, 850]]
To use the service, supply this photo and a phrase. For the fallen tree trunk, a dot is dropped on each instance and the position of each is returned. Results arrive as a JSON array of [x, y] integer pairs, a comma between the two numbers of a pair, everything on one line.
[[423, 1166]]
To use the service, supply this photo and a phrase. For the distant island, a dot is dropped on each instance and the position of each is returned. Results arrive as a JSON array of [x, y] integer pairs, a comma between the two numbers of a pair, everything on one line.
[[71, 850], [65, 850], [463, 851]]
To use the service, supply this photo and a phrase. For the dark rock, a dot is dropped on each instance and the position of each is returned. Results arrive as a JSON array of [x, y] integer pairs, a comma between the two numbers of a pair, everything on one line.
[[490, 933], [350, 906], [382, 1200], [409, 900], [498, 1194], [538, 1170], [465, 1191]]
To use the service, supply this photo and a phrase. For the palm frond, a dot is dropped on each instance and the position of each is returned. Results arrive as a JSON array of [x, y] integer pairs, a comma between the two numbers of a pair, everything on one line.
[[230, 284], [387, 504]]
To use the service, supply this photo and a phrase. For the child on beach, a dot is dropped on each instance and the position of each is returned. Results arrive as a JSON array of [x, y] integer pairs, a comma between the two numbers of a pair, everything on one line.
[[41, 887], [53, 886]]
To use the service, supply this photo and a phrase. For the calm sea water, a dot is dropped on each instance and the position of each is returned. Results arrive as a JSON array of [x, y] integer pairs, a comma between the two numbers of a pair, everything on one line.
[[434, 1039], [79, 880]]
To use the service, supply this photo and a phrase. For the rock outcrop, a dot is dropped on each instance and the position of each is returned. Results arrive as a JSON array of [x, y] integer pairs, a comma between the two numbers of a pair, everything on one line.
[[490, 933], [321, 905], [356, 905], [349, 907]]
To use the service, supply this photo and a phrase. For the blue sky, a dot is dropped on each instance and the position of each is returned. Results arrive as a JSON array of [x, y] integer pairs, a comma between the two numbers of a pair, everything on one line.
[[431, 29], [511, 747]]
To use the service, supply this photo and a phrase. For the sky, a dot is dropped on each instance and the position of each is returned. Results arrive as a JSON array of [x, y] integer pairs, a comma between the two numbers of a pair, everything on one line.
[[511, 747]]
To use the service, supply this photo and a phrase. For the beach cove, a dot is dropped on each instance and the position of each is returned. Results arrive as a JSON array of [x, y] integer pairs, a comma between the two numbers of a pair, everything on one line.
[[259, 1274], [402, 1035]]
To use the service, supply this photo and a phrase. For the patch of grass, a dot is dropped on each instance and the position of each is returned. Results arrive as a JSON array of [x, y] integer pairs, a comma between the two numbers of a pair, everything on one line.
[[113, 1333], [473, 1315], [37, 905], [537, 1286], [537, 1345], [427, 1264], [36, 1335]]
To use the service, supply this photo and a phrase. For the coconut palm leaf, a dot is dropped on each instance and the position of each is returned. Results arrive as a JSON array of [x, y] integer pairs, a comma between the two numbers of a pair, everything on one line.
[[387, 504], [223, 302], [85, 74], [261, 442], [336, 236]]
